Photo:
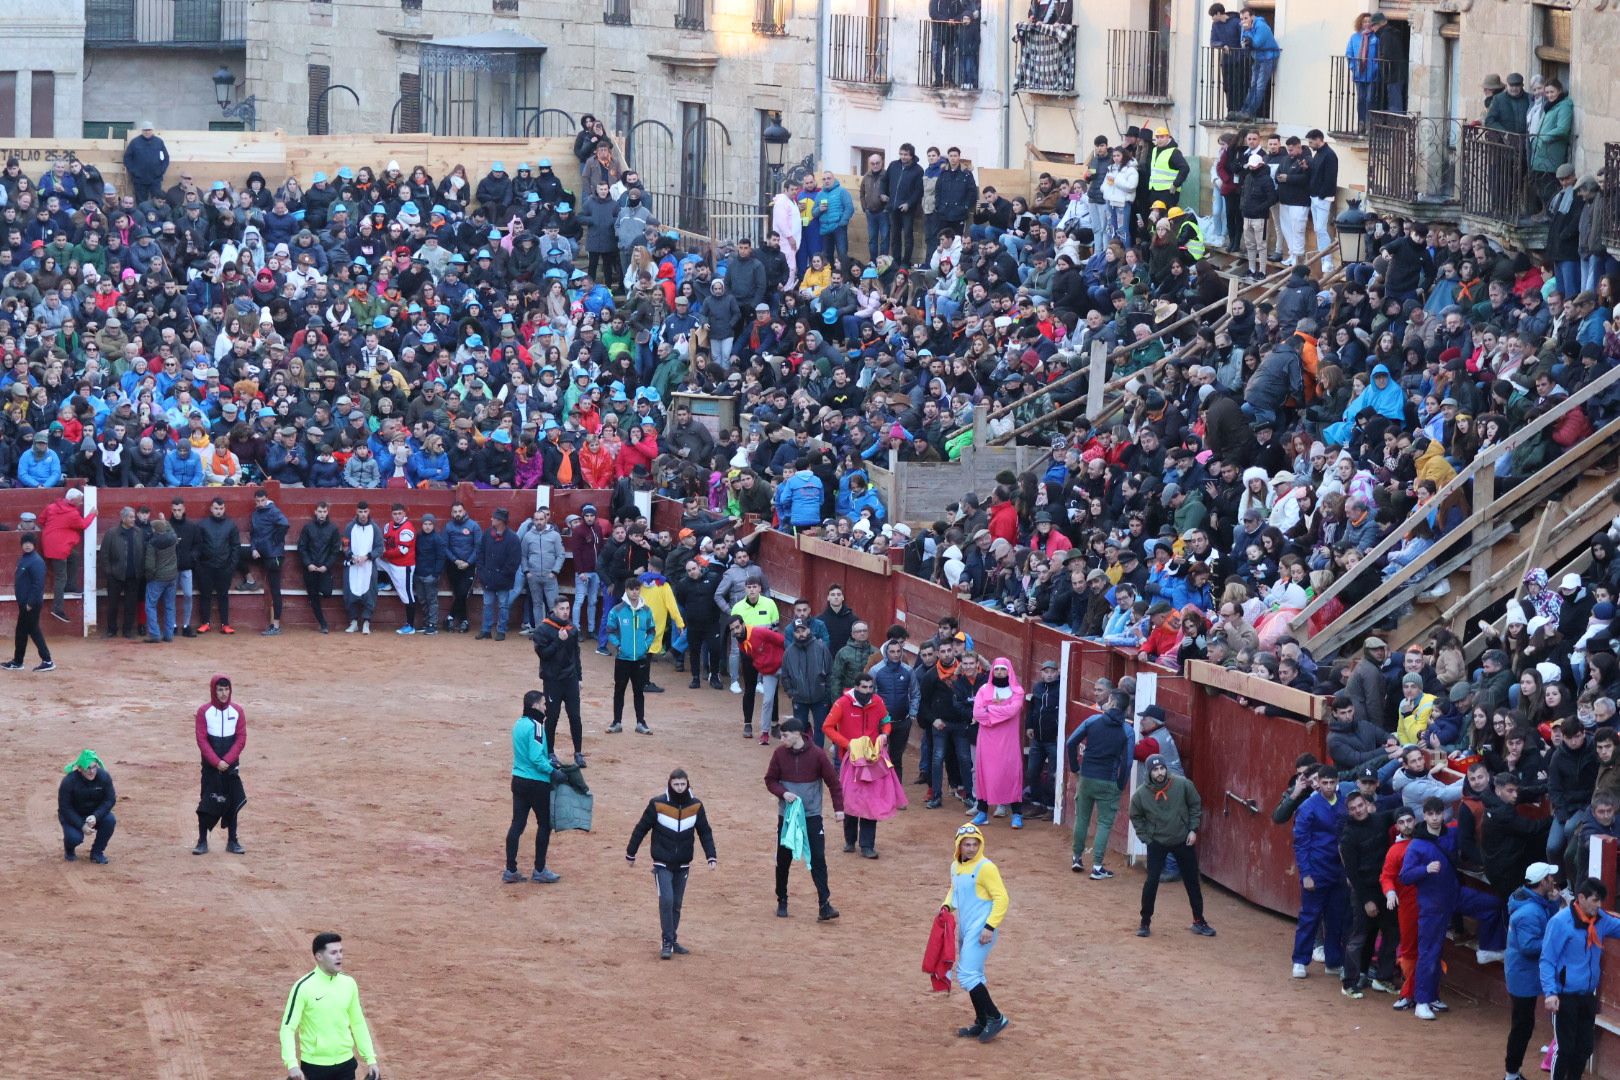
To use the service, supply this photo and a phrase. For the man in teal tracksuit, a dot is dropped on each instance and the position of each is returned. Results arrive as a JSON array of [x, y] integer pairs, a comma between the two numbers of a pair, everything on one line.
[[631, 632], [531, 790], [1571, 966]]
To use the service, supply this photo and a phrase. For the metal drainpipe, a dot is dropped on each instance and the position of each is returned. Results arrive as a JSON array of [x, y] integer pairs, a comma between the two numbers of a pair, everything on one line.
[[1007, 84], [821, 65], [1192, 115]]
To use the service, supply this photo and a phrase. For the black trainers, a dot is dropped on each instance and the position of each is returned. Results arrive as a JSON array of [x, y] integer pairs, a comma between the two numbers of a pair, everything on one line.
[[993, 1027], [49, 665], [933, 804], [748, 731], [695, 683], [643, 729], [781, 909], [849, 849], [827, 913], [666, 952], [11, 665], [1078, 865], [970, 1032], [511, 877], [1100, 873], [201, 848], [652, 688], [614, 728], [98, 858], [235, 848], [1144, 930], [681, 950], [1202, 929]]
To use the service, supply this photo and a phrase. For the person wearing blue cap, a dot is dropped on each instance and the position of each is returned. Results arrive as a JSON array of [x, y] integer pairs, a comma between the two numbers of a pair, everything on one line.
[[318, 200], [548, 185], [495, 192]]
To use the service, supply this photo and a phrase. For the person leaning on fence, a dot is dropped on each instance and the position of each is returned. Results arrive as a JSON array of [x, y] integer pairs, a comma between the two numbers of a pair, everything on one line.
[[1099, 779]]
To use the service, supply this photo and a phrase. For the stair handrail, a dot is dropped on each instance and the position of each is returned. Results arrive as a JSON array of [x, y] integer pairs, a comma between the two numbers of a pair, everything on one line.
[[1483, 460]]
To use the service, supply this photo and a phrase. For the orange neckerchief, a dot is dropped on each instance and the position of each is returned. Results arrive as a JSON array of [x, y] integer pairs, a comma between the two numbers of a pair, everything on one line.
[[946, 674], [1163, 794], [1592, 939]]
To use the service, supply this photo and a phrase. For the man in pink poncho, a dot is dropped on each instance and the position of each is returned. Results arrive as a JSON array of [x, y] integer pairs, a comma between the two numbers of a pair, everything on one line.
[[858, 724], [998, 706]]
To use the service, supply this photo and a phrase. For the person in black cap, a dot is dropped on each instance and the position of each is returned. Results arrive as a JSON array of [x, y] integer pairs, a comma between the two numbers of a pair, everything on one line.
[[1166, 813]]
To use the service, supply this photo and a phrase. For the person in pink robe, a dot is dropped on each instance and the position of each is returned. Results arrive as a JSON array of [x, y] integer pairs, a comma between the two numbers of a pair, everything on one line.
[[998, 708], [789, 228]]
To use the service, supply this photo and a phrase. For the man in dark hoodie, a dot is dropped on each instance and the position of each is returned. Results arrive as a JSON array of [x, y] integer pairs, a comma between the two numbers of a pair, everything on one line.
[[219, 544], [319, 549], [28, 586], [221, 737], [806, 674], [796, 773], [1166, 813], [84, 804], [839, 619], [675, 817], [1363, 842], [1353, 742], [556, 643], [1571, 777]]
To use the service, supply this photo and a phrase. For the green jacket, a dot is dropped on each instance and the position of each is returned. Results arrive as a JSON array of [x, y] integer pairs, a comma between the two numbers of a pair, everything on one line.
[[849, 664], [1191, 513], [1166, 820], [1550, 147]]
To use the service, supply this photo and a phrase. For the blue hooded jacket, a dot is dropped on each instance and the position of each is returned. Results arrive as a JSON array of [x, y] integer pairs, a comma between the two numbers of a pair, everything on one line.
[[798, 499], [1528, 913], [1568, 964], [840, 208]]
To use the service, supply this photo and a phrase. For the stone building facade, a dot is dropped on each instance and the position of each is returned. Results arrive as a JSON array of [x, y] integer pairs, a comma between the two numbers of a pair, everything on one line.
[[39, 82]]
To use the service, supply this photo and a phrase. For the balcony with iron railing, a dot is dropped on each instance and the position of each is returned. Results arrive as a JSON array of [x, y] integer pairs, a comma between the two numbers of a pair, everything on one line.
[[1412, 161], [1045, 62], [1139, 66], [166, 23], [689, 14], [770, 18], [1493, 174], [948, 55], [858, 49], [1356, 90], [1236, 84], [616, 12]]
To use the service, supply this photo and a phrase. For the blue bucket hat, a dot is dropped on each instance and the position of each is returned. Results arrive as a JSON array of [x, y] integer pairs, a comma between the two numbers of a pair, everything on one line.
[[533, 196], [338, 208], [458, 259], [319, 178], [496, 166], [379, 208], [345, 173], [523, 166], [544, 163], [576, 275], [380, 323], [475, 342], [442, 309], [565, 208], [430, 338]]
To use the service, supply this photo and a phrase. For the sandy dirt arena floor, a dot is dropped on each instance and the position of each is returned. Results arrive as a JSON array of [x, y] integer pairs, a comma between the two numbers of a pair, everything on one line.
[[378, 805]]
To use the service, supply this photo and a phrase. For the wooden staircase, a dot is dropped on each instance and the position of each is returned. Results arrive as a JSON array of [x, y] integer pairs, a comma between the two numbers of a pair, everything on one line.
[[1545, 519]]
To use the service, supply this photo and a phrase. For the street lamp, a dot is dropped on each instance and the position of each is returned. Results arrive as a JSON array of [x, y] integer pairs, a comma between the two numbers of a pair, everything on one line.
[[245, 110], [775, 137], [1352, 226]]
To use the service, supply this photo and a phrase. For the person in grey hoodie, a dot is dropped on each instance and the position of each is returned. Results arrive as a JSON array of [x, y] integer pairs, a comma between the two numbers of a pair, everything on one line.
[[542, 561], [362, 470], [630, 226], [723, 315]]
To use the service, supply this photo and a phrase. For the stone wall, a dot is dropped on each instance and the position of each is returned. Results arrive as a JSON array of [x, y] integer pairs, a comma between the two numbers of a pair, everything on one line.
[[45, 37], [173, 89]]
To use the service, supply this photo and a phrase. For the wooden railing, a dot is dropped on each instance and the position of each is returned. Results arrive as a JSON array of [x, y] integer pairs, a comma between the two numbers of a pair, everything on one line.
[[1489, 512]]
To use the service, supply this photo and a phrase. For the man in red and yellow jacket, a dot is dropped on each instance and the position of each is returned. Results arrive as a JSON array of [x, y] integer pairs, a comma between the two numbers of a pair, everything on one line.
[[859, 714], [399, 562]]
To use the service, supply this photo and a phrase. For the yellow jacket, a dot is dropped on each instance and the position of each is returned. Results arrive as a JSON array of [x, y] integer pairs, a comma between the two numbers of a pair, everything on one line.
[[989, 885], [661, 599], [1414, 718], [813, 281]]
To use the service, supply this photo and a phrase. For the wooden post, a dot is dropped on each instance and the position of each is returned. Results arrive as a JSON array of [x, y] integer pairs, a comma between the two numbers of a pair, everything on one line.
[[1094, 381], [981, 414], [1479, 570]]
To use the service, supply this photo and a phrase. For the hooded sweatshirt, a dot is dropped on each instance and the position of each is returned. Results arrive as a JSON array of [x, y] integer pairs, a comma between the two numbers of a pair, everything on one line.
[[1164, 813], [802, 772], [221, 725], [989, 885]]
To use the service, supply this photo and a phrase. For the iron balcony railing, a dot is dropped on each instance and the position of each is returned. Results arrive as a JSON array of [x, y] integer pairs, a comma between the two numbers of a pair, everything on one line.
[[858, 49], [1236, 84], [689, 14], [1045, 63], [1139, 66], [178, 23], [1356, 90], [1494, 175], [1412, 159], [1611, 194], [616, 12], [770, 17], [948, 55]]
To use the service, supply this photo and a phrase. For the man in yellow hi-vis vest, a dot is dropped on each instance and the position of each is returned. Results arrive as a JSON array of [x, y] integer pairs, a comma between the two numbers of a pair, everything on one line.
[[1167, 169], [1189, 237]]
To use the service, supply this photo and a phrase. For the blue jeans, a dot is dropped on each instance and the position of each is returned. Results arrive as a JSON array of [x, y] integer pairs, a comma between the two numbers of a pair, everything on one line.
[[160, 597], [1257, 415], [1591, 270], [961, 745], [981, 233], [1259, 85], [183, 599], [1119, 222], [73, 835], [1568, 272], [497, 609], [812, 715], [587, 593], [837, 242], [877, 233]]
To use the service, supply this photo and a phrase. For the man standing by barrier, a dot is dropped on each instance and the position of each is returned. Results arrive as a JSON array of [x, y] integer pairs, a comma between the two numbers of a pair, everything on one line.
[[896, 684], [1325, 899], [219, 548], [319, 549], [1103, 774], [267, 532], [543, 557], [1571, 969], [1530, 908], [399, 562], [463, 537], [1166, 813], [1431, 865], [61, 529], [499, 559], [630, 635]]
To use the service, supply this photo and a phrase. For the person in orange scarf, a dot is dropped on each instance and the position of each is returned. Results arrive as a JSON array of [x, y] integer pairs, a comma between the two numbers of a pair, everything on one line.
[[562, 466], [224, 469]]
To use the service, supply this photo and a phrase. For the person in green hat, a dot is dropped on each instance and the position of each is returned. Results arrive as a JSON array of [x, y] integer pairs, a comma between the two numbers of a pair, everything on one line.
[[84, 804]]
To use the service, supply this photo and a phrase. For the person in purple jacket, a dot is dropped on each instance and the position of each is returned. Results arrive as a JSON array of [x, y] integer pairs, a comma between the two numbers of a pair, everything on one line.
[[1325, 897], [1431, 865]]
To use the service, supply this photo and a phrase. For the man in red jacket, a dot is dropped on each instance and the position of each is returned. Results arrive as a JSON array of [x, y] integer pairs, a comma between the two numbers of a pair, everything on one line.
[[221, 736], [860, 713], [399, 562], [1404, 899], [763, 648], [797, 771], [61, 529]]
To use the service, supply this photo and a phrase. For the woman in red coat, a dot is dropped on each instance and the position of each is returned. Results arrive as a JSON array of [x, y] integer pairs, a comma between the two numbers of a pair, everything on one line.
[[61, 529], [643, 451]]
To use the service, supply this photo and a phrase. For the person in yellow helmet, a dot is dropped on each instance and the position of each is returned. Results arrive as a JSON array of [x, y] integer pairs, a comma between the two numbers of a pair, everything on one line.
[[979, 899], [322, 1024], [1167, 169]]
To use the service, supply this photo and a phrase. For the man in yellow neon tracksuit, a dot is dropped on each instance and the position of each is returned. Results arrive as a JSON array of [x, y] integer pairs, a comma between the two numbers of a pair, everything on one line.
[[323, 1025]]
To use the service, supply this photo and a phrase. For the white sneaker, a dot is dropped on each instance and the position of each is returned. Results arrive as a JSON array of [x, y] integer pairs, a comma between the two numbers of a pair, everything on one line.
[[1423, 1012], [353, 626], [1300, 971], [1486, 956], [1439, 588], [365, 627], [1319, 954], [736, 687]]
